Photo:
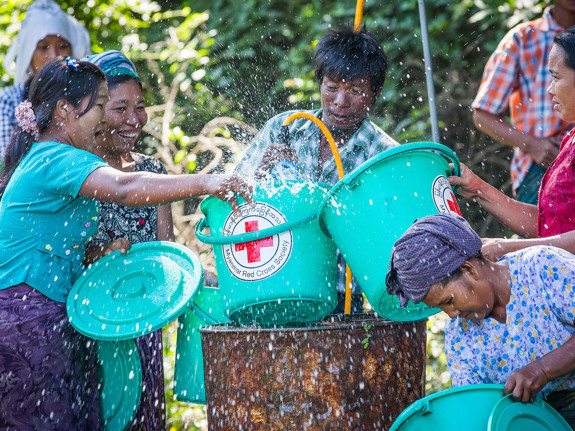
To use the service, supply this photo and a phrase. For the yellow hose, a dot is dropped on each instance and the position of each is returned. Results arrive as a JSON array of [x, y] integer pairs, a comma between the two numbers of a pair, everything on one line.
[[340, 173], [358, 16]]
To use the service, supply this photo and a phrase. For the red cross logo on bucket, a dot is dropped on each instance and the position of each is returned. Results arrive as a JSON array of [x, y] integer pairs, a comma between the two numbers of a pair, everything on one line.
[[253, 247], [443, 196], [259, 258]]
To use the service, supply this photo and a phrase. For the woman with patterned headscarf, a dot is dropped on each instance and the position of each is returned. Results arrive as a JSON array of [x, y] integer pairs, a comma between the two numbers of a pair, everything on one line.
[[46, 33], [120, 226], [512, 321]]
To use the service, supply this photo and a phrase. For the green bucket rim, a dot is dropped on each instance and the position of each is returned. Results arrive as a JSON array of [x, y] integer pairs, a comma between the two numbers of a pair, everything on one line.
[[405, 148], [253, 236]]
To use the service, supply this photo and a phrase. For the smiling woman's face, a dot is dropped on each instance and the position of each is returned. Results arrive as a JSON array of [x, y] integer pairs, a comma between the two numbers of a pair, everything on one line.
[[562, 87], [124, 119]]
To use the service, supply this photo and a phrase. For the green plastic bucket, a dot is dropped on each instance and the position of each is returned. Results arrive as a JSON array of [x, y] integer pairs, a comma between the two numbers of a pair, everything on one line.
[[371, 207], [275, 265], [120, 377], [207, 309]]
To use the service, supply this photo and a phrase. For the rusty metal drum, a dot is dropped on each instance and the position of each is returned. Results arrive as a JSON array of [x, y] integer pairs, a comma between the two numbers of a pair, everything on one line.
[[346, 372]]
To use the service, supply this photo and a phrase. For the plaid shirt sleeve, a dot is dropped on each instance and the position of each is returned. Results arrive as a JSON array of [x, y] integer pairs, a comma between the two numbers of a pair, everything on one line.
[[254, 154], [10, 97], [500, 77]]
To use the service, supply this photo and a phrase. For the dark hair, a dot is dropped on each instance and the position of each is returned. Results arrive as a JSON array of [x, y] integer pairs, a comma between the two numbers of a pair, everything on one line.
[[54, 82], [346, 54], [116, 80], [566, 40]]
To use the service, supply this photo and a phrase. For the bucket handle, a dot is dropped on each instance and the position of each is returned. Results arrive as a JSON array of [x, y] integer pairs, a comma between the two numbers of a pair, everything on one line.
[[442, 149], [250, 236]]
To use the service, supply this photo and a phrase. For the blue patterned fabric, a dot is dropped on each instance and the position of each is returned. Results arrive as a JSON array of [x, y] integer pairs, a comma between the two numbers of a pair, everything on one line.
[[540, 318], [113, 63]]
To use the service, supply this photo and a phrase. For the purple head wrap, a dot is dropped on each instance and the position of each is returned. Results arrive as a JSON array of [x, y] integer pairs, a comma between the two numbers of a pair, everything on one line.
[[429, 252]]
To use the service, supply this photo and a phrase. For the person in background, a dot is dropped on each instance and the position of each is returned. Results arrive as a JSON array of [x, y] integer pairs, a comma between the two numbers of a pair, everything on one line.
[[119, 226], [350, 69], [46, 33], [50, 189], [512, 321], [516, 78], [551, 221]]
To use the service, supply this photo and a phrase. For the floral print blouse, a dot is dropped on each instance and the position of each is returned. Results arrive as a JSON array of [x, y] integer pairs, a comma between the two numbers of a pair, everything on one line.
[[136, 224], [540, 318]]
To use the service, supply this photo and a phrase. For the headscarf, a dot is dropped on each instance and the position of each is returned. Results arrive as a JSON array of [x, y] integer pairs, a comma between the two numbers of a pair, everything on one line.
[[113, 63], [429, 252], [44, 18]]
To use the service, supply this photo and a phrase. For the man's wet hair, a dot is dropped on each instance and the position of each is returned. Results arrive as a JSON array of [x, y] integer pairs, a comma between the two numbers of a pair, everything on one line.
[[344, 54]]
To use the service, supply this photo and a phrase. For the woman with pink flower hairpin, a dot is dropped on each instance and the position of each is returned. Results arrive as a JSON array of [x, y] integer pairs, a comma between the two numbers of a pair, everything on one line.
[[50, 191]]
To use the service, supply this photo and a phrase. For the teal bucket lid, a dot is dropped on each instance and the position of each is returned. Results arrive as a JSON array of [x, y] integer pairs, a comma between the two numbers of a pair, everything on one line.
[[464, 408], [120, 375], [510, 415], [124, 296]]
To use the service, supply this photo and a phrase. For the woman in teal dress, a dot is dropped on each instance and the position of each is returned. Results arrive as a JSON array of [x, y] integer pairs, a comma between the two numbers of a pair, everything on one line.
[[50, 192]]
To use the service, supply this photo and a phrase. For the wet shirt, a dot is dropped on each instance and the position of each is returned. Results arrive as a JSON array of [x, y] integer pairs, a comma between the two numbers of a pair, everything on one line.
[[10, 97], [368, 141], [557, 192], [516, 77], [44, 223], [136, 224], [540, 318]]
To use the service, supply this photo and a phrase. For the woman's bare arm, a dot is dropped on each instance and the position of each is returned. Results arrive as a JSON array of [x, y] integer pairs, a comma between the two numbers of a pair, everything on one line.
[[144, 189], [520, 217]]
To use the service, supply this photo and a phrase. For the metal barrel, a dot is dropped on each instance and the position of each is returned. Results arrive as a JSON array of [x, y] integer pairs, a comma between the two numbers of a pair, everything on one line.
[[349, 372]]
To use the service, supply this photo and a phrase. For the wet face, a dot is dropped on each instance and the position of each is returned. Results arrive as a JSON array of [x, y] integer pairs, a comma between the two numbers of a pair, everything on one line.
[[562, 87], [82, 129], [49, 48], [465, 296], [124, 119], [345, 103]]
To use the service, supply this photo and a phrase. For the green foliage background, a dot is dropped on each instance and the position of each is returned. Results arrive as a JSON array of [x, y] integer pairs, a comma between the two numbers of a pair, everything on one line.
[[250, 59]]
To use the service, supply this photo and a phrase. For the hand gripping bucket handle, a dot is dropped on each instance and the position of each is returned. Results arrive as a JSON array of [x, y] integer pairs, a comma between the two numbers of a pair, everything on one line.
[[250, 236]]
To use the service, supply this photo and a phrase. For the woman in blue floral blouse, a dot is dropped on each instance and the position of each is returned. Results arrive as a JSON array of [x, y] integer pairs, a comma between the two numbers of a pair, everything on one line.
[[512, 321]]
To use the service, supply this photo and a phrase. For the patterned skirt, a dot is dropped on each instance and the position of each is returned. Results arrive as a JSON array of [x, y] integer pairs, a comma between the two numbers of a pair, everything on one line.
[[48, 378]]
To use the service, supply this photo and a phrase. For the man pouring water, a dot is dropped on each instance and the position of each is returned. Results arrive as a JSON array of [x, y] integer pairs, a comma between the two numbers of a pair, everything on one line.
[[350, 68]]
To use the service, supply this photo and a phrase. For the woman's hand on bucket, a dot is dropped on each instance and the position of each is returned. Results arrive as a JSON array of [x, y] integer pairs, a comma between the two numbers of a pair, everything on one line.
[[470, 185], [225, 187]]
